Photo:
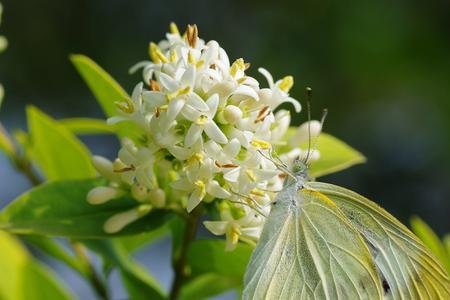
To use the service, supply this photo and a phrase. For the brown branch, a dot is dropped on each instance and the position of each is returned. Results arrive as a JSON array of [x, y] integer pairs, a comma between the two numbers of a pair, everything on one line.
[[180, 263]]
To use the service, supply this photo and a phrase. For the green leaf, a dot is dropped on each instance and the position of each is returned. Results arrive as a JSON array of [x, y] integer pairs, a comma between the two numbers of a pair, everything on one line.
[[106, 90], [133, 243], [60, 209], [81, 126], [57, 152], [22, 278], [431, 240], [6, 144], [335, 155], [208, 285], [53, 249], [219, 261], [139, 283]]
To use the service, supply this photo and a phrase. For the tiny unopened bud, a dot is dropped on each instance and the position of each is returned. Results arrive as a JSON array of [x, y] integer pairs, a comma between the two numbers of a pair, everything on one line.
[[102, 194], [104, 166], [118, 221], [139, 192], [157, 198], [232, 114]]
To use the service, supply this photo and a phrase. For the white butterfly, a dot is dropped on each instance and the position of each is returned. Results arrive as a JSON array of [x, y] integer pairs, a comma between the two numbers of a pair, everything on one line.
[[322, 241]]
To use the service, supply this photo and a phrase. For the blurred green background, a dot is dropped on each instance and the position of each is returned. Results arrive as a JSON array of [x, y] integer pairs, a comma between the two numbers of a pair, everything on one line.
[[382, 68]]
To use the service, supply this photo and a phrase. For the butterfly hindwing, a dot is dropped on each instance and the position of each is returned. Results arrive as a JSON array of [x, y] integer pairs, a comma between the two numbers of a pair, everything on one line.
[[406, 266], [308, 250]]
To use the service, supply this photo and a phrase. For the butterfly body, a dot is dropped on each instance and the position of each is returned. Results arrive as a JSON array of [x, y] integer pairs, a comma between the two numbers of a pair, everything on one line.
[[325, 242]]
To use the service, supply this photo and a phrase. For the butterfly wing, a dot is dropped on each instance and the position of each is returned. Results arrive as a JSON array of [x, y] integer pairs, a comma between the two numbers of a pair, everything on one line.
[[308, 250], [408, 269]]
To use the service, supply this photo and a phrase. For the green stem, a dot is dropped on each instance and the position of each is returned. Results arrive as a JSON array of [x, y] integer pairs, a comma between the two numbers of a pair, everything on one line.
[[91, 274], [180, 262]]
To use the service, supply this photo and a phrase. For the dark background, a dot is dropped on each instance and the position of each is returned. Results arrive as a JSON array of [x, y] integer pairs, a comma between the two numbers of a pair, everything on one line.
[[382, 68]]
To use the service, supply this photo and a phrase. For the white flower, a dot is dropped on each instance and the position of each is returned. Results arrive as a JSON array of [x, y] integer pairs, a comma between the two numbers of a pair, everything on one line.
[[204, 122], [247, 228], [200, 183], [205, 126]]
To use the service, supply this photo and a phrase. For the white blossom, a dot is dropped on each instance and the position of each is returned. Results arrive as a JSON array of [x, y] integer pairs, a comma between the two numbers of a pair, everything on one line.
[[209, 128]]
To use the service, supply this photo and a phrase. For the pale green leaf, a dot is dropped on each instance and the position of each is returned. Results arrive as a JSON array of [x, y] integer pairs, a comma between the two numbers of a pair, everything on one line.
[[56, 150], [60, 209], [431, 240], [22, 278], [106, 90], [335, 155], [81, 126]]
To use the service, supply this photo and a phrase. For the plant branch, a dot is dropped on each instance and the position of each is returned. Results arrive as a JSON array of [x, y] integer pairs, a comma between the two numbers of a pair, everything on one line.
[[180, 262], [91, 274]]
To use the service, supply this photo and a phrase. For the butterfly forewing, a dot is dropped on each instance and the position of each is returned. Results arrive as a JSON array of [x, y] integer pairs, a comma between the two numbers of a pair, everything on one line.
[[308, 250], [407, 268]]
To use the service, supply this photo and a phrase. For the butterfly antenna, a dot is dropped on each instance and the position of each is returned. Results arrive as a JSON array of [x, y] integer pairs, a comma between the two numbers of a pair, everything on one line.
[[256, 207], [322, 121], [279, 165], [308, 109]]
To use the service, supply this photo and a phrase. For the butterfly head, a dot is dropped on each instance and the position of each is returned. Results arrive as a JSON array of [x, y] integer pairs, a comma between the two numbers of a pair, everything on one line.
[[300, 170]]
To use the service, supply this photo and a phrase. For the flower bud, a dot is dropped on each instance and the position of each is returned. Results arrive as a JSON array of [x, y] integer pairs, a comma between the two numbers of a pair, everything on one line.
[[139, 192], [104, 167], [118, 221], [102, 194], [157, 197], [232, 114]]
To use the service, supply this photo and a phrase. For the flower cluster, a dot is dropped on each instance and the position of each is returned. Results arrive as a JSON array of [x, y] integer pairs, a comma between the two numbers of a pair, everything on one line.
[[208, 130]]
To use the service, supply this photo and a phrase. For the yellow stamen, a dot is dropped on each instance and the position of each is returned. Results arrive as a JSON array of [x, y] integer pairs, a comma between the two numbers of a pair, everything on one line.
[[238, 64], [202, 186], [173, 56], [174, 28], [182, 91], [257, 192], [261, 144], [199, 64], [251, 175], [201, 120], [164, 107], [127, 106], [235, 233], [192, 35], [286, 83], [191, 59], [152, 52]]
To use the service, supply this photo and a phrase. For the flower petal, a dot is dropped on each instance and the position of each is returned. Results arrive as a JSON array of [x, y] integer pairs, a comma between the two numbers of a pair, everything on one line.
[[214, 132], [194, 199], [194, 133], [216, 227], [214, 189]]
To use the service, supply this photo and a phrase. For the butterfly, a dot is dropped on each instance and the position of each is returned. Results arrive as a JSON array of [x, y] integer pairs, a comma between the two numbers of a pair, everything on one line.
[[322, 241]]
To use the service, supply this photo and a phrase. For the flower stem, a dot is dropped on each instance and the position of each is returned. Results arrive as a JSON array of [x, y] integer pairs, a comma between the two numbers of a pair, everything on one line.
[[180, 262]]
